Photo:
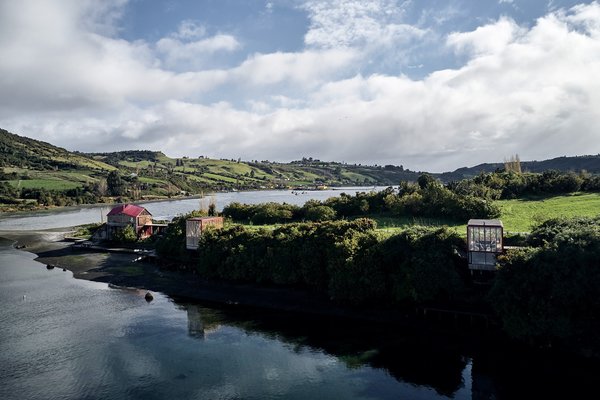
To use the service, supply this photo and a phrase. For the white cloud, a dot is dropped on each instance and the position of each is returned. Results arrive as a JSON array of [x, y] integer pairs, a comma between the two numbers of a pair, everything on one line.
[[309, 67], [373, 25], [190, 49], [189, 30], [175, 52], [527, 90], [488, 39]]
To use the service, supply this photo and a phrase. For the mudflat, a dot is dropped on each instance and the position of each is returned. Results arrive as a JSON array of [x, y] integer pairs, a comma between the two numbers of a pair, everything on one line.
[[121, 269]]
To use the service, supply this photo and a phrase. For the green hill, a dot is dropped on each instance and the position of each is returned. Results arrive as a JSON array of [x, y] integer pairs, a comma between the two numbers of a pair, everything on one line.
[[193, 174], [36, 172], [29, 165], [23, 153]]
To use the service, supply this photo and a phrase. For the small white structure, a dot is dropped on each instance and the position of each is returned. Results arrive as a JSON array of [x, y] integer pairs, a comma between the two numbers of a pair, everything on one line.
[[484, 239], [195, 226]]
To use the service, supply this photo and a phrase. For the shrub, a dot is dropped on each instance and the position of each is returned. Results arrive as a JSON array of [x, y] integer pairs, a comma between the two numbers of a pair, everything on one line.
[[125, 235], [551, 294], [320, 213]]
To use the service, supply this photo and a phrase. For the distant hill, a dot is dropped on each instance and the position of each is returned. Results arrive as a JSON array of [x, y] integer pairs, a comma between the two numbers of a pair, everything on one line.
[[22, 152], [590, 164], [228, 173], [35, 165], [32, 164]]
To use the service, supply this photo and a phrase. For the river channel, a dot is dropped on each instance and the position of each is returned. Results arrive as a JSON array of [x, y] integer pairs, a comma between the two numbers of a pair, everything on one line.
[[65, 338], [165, 210]]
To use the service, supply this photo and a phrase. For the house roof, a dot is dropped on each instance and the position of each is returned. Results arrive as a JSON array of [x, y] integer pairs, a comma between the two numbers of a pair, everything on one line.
[[128, 209], [205, 219], [485, 222]]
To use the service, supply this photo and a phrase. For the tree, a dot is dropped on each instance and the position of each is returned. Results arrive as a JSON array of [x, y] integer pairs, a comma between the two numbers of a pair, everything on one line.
[[426, 180], [320, 213], [101, 187], [115, 185], [550, 294], [125, 235], [513, 164]]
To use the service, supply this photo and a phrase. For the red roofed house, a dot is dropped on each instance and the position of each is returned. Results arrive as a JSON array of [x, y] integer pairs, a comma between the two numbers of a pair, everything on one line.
[[129, 214]]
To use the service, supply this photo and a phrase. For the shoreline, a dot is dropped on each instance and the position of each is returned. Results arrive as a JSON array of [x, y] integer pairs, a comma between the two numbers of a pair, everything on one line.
[[21, 212], [120, 270], [38, 209]]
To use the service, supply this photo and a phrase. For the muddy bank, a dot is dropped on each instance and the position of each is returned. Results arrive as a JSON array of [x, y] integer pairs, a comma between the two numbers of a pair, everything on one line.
[[121, 270]]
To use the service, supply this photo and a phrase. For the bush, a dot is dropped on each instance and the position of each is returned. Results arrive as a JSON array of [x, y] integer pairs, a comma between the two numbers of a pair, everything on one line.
[[551, 294], [125, 235], [320, 213], [345, 259]]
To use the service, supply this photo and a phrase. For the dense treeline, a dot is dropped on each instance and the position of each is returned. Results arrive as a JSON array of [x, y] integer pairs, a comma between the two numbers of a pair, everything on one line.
[[114, 186], [547, 293], [510, 185], [550, 294], [427, 198], [347, 260], [45, 197], [270, 213]]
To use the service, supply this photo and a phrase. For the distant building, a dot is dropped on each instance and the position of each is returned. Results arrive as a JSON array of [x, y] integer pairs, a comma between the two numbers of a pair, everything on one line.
[[194, 227], [484, 241], [129, 215]]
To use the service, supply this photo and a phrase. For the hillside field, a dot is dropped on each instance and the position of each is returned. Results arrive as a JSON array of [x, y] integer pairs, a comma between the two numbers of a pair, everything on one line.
[[518, 215]]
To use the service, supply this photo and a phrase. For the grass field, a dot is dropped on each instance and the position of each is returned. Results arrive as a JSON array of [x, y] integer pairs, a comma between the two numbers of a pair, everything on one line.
[[517, 215], [520, 215], [49, 184]]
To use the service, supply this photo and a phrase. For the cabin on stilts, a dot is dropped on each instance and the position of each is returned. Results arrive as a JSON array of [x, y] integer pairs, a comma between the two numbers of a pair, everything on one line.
[[484, 240], [194, 227]]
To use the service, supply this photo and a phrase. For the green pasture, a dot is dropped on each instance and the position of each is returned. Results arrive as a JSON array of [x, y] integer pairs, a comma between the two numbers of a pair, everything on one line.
[[520, 215], [49, 184]]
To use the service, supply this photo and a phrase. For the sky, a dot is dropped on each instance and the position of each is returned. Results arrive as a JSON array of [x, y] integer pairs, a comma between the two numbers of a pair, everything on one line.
[[432, 85]]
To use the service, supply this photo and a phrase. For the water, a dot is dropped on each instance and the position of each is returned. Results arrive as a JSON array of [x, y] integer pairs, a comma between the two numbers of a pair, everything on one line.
[[72, 216], [63, 338]]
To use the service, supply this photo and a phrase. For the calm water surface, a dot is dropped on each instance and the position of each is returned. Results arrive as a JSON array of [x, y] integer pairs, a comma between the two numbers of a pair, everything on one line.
[[63, 338], [72, 216]]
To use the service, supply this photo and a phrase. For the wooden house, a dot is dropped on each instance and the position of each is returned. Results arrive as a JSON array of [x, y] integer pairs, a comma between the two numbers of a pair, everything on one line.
[[194, 227], [129, 215], [484, 241]]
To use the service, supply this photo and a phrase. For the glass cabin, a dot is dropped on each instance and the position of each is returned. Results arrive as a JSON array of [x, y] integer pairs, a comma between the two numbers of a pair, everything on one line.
[[195, 226], [484, 239]]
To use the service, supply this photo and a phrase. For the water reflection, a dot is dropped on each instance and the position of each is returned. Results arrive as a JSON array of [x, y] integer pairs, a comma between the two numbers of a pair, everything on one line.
[[80, 339], [415, 359], [195, 325], [451, 366]]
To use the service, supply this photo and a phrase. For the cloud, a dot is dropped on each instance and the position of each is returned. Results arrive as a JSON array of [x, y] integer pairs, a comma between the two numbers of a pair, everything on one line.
[[189, 29], [343, 23], [190, 49], [488, 39], [309, 67], [526, 90], [176, 52]]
